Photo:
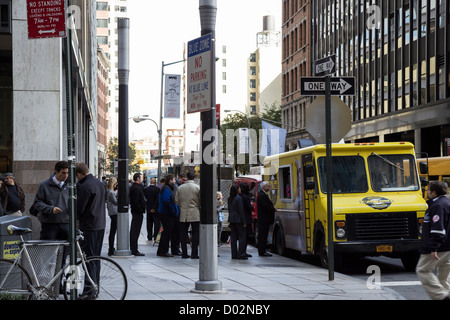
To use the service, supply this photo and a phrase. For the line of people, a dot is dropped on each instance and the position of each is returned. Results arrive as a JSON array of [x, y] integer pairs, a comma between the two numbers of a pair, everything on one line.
[[174, 204], [239, 218]]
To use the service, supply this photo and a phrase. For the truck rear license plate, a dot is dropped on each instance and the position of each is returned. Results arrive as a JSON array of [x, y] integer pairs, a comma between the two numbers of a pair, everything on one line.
[[384, 248]]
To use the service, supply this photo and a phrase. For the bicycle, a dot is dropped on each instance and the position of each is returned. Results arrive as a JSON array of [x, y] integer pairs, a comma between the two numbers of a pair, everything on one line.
[[19, 277]]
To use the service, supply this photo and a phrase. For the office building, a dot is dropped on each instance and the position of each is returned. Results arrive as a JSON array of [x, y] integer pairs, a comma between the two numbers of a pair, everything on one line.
[[399, 53]]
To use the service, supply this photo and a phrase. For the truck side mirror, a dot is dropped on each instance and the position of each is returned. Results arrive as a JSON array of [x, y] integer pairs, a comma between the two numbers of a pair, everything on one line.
[[310, 185], [423, 167], [309, 171], [423, 182]]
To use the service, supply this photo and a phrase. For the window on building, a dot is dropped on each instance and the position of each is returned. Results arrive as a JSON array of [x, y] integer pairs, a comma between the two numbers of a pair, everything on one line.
[[253, 83], [102, 23], [102, 40], [102, 6], [252, 71], [5, 17]]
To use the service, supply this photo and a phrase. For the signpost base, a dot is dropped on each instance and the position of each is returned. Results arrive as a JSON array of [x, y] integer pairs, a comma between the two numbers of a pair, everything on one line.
[[208, 282]]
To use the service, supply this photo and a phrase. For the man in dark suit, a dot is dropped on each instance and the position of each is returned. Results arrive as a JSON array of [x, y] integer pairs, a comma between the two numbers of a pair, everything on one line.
[[266, 216], [152, 195], [137, 202], [91, 209]]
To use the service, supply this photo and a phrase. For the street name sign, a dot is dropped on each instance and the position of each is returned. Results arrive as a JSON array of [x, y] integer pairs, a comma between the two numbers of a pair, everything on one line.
[[315, 86], [199, 74], [46, 19], [325, 66]]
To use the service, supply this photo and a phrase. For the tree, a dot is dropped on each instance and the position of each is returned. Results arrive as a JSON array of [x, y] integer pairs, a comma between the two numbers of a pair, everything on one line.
[[113, 155], [238, 120]]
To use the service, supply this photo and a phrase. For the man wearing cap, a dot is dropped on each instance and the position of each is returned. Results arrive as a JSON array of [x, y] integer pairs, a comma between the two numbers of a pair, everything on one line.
[[12, 197]]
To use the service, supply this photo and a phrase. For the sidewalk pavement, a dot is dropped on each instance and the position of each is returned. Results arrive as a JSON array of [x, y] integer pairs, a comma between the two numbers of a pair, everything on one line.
[[259, 278]]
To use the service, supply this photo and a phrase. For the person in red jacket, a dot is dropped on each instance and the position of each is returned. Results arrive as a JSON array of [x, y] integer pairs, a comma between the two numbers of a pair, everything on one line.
[[435, 244]]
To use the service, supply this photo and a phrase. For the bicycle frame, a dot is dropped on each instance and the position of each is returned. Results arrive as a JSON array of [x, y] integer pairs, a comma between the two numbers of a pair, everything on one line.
[[71, 276]]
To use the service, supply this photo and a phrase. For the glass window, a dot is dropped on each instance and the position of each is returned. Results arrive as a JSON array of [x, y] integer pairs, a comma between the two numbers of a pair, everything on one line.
[[393, 172], [285, 183], [102, 40], [102, 23], [349, 174], [102, 6]]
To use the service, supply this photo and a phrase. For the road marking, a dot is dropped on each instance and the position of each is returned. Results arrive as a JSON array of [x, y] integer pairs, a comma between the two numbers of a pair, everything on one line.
[[398, 283]]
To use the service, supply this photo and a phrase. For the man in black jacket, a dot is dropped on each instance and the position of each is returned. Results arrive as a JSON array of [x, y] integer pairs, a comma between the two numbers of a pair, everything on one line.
[[152, 195], [51, 201], [435, 243], [266, 216], [91, 214], [137, 202]]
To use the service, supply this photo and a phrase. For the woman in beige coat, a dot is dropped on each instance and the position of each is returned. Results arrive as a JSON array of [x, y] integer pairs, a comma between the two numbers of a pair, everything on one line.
[[188, 201]]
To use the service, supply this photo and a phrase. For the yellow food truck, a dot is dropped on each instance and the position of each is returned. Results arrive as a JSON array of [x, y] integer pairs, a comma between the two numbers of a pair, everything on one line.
[[377, 203]]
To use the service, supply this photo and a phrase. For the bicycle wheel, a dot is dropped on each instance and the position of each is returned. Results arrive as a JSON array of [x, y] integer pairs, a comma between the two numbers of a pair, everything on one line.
[[112, 282], [15, 281]]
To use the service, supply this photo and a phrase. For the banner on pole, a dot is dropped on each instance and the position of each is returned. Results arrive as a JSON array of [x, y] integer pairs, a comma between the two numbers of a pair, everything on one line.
[[273, 139], [243, 140], [172, 96]]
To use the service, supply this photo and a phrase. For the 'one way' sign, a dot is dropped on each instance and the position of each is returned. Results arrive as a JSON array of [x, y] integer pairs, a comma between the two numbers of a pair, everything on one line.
[[315, 86]]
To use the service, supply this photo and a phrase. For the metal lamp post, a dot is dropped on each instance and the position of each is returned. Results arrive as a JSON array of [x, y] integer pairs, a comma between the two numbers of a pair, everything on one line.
[[144, 118], [248, 120], [208, 265]]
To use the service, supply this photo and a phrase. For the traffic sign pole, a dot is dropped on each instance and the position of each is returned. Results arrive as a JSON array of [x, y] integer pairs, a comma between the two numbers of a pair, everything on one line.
[[329, 166]]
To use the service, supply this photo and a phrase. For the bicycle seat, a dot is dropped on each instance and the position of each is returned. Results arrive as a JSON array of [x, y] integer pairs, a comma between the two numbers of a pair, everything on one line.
[[13, 230]]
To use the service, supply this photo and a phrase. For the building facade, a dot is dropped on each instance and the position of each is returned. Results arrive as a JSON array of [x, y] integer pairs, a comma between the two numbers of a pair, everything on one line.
[[108, 11], [296, 63], [263, 73], [103, 68], [33, 121], [398, 51]]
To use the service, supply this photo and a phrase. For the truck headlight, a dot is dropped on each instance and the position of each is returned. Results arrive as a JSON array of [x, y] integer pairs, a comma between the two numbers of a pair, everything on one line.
[[340, 230]]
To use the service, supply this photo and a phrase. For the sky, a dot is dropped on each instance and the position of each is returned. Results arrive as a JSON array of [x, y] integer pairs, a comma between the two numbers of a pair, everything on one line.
[[158, 32]]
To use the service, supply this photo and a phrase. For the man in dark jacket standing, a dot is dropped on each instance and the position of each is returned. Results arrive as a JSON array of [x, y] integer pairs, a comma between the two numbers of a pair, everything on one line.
[[137, 202], [91, 213], [51, 201], [266, 216], [435, 244], [152, 195]]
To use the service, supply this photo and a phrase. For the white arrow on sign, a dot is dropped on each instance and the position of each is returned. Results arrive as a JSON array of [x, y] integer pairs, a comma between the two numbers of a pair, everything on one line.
[[47, 31], [342, 85], [325, 67]]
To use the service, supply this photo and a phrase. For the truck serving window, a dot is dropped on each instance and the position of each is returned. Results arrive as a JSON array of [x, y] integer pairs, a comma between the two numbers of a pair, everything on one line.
[[349, 174], [393, 172]]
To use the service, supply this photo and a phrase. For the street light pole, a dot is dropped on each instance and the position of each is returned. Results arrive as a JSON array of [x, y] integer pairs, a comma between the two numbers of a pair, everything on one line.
[[123, 233], [208, 265], [144, 118], [248, 120]]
